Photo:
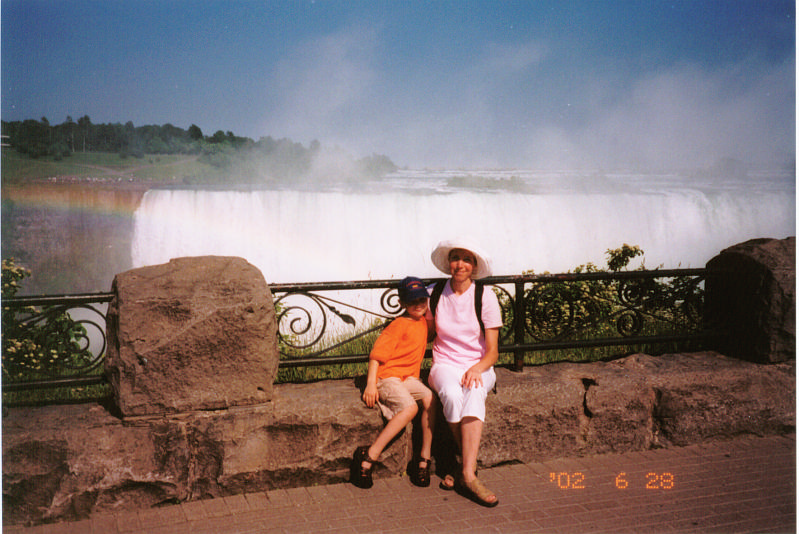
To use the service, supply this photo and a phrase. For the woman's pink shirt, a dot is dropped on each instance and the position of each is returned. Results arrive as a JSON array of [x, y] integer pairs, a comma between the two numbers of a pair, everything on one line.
[[459, 340]]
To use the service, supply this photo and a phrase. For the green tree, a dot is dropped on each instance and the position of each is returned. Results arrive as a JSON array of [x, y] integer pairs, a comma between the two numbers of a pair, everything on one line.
[[375, 166], [84, 127], [619, 258], [59, 150], [32, 138], [69, 132], [218, 137], [195, 133]]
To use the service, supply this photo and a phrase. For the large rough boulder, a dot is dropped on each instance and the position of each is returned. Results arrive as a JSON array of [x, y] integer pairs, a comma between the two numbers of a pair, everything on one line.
[[751, 297], [192, 334]]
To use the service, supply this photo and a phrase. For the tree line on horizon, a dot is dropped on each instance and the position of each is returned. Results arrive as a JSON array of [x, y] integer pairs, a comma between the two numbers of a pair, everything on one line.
[[39, 139]]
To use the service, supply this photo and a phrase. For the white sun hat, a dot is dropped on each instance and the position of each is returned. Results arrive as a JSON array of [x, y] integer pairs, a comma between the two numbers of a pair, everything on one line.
[[440, 256]]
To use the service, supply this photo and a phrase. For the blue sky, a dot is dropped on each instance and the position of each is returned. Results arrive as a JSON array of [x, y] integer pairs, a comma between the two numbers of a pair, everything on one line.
[[602, 84]]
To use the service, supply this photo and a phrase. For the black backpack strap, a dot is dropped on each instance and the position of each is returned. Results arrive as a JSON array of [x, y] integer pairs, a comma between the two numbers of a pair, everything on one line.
[[436, 295], [438, 288], [478, 304]]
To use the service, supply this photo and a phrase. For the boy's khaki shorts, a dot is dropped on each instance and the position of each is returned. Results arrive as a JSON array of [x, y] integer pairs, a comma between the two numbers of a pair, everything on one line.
[[396, 394]]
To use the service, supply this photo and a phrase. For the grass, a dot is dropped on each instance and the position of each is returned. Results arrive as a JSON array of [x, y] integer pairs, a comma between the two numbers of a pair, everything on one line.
[[105, 166], [595, 354], [362, 345], [60, 395], [299, 375], [56, 395]]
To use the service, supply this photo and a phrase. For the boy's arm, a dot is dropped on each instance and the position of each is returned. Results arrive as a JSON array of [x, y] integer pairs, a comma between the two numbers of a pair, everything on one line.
[[370, 393]]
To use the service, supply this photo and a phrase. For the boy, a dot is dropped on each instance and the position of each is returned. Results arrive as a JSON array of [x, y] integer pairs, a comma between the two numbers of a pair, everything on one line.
[[393, 384]]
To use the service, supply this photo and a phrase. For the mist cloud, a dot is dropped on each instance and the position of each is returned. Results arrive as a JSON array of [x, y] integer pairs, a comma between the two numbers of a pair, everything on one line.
[[517, 106], [685, 117], [321, 83]]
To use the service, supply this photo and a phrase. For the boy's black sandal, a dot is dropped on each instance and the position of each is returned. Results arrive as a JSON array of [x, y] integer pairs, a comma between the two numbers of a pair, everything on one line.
[[420, 476], [361, 476]]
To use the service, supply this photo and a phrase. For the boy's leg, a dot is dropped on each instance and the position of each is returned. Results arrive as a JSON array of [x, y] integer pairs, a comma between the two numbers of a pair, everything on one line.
[[424, 396], [394, 427], [428, 424]]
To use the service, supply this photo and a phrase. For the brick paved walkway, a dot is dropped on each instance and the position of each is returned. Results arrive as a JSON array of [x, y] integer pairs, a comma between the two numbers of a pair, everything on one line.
[[743, 485]]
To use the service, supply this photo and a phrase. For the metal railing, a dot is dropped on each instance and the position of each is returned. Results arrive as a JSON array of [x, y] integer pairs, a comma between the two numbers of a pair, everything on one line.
[[561, 311], [37, 353], [335, 323]]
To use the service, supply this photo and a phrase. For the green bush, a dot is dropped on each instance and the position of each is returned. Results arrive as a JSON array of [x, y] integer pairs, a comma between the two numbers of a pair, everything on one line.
[[35, 342], [578, 310]]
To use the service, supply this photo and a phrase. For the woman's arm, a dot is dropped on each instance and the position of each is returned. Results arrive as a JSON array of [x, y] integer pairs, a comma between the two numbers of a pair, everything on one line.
[[431, 325], [474, 375]]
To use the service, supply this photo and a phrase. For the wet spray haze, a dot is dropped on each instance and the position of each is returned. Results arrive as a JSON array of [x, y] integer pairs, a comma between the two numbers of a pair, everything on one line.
[[533, 105]]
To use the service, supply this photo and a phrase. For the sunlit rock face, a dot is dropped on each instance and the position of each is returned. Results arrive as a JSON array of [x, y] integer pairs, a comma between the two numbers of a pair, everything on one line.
[[192, 334]]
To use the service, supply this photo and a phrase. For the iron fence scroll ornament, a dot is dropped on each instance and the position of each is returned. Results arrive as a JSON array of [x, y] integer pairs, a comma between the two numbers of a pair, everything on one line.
[[43, 339], [304, 319]]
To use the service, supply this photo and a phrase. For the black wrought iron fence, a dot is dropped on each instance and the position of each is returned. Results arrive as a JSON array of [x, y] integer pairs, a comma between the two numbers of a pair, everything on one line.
[[54, 340], [335, 323], [559, 312]]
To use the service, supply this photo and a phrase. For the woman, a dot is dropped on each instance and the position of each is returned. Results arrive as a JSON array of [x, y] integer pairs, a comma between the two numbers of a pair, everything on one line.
[[464, 354]]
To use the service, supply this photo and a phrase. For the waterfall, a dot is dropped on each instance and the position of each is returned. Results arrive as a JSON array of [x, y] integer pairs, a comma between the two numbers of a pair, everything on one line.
[[388, 232]]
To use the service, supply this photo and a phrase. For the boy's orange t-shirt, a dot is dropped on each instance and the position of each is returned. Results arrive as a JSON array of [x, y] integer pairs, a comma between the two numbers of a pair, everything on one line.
[[400, 348]]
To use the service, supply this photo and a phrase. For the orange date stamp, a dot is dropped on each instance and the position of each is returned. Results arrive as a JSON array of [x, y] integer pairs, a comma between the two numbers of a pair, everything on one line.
[[623, 481]]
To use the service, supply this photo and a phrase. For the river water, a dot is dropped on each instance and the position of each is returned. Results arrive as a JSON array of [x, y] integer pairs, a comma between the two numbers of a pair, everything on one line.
[[76, 237]]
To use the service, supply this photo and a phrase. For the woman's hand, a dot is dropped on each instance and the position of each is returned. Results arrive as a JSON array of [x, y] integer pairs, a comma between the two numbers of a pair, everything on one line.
[[472, 378], [370, 395]]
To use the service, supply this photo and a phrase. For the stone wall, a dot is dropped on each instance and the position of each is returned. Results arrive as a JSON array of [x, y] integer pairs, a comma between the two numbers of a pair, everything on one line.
[[208, 436], [67, 462]]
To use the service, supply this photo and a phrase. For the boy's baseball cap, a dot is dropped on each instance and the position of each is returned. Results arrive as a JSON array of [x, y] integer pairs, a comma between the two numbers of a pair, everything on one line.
[[411, 288]]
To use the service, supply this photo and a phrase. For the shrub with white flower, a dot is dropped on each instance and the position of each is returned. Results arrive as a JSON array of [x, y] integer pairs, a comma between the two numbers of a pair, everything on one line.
[[34, 340]]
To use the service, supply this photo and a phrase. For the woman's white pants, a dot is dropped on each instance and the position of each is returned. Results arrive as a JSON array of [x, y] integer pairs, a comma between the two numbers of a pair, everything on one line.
[[458, 401]]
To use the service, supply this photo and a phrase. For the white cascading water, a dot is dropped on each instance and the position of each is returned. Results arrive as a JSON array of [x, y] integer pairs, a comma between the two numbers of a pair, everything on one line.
[[387, 230]]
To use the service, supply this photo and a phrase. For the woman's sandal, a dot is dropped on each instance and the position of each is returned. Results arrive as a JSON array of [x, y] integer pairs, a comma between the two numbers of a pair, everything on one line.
[[477, 492], [420, 476], [448, 483], [361, 476]]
